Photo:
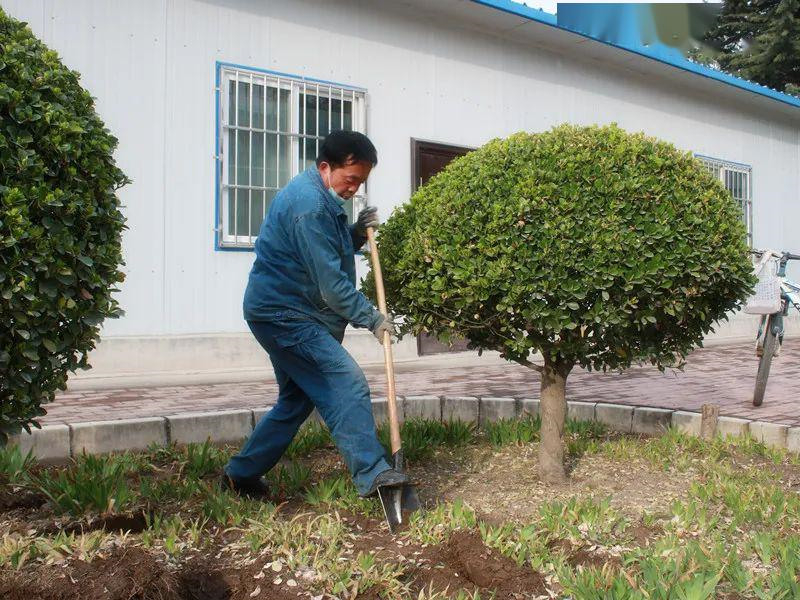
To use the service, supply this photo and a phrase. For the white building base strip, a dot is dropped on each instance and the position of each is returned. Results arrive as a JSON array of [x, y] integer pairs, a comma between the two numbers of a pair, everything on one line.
[[58, 443]]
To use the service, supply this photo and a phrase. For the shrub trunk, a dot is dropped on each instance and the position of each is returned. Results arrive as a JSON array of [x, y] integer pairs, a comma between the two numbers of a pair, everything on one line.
[[553, 409]]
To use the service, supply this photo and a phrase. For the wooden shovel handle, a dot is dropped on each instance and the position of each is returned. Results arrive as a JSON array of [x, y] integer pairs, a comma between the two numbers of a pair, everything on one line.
[[394, 421]]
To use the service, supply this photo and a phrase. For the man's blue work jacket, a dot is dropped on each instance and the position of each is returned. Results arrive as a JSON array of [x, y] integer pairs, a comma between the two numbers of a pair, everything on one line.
[[305, 266]]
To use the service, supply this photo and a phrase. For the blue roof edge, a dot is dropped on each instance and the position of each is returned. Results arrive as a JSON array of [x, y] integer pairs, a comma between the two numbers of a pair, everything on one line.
[[546, 18]]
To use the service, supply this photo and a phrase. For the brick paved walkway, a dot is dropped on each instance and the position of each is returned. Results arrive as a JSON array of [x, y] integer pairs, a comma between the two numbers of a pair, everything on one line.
[[723, 374]]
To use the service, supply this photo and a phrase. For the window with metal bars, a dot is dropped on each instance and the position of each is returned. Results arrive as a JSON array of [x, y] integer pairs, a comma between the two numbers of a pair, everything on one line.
[[270, 129], [737, 179]]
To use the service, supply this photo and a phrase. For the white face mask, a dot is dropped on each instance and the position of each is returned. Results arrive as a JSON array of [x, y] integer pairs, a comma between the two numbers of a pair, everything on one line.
[[332, 191], [336, 196]]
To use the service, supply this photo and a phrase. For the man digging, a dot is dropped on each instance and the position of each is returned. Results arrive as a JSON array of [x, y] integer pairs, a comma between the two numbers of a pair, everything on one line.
[[300, 296]]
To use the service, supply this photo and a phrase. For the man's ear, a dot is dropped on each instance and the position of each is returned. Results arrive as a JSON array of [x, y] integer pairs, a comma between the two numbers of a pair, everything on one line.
[[325, 171]]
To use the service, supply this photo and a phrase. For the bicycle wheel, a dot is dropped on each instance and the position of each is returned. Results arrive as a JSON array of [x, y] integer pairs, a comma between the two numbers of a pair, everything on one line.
[[770, 342]]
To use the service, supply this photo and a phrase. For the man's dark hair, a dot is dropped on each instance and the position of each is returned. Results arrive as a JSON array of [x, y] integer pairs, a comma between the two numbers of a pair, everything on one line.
[[340, 148]]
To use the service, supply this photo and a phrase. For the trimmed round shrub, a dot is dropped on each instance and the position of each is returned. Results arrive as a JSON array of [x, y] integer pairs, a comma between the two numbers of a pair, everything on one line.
[[60, 225], [591, 245]]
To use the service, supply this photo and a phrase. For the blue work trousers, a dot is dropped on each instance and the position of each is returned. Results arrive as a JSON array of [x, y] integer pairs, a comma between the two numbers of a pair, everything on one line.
[[313, 370]]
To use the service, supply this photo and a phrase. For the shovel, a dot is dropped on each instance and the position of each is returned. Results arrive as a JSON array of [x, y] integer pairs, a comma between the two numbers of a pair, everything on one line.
[[397, 501]]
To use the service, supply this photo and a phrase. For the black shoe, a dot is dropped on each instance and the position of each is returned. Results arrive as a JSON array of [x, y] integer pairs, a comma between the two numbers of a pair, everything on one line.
[[388, 478], [255, 488]]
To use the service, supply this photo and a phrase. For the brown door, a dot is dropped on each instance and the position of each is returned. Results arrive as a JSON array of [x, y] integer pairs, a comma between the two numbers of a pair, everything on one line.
[[428, 159]]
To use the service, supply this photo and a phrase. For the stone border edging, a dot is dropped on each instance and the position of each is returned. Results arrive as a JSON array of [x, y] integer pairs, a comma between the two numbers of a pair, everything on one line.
[[59, 442]]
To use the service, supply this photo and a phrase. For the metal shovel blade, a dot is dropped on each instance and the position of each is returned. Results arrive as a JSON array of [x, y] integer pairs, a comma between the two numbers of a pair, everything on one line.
[[398, 501]]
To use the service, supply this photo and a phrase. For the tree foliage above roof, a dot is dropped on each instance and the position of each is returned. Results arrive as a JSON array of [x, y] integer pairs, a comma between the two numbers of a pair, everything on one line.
[[759, 40]]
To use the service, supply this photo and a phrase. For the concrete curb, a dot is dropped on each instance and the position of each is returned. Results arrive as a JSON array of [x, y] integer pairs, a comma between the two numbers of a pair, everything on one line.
[[461, 408], [497, 409], [529, 407], [771, 434], [228, 426], [50, 443], [618, 417], [100, 437], [654, 421], [420, 407], [687, 422], [581, 411], [56, 443]]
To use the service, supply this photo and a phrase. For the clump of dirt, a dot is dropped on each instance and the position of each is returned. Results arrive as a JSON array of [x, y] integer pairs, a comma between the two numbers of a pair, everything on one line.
[[643, 534], [466, 553], [466, 563], [126, 574]]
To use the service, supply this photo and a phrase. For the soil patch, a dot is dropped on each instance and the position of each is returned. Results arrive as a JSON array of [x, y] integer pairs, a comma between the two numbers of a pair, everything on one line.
[[486, 568], [201, 584], [464, 562], [12, 499], [202, 580], [643, 534], [585, 556], [132, 522], [126, 574], [503, 485], [134, 574]]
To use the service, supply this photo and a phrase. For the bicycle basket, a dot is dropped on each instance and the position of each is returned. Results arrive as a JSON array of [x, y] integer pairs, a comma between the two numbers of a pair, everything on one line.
[[766, 298]]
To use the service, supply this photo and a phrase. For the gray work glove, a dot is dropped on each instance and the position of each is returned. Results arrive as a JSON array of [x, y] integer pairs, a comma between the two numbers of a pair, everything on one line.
[[384, 325], [367, 217]]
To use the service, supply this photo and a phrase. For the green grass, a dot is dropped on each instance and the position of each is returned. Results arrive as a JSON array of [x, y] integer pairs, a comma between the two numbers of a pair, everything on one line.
[[580, 436], [289, 479], [93, 484], [200, 460], [312, 436], [15, 467], [513, 431], [421, 438]]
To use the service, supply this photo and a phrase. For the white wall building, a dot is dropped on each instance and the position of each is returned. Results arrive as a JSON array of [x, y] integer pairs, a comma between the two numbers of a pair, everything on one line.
[[203, 157]]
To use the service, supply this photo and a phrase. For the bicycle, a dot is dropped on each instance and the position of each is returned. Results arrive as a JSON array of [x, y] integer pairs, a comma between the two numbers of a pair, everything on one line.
[[770, 329]]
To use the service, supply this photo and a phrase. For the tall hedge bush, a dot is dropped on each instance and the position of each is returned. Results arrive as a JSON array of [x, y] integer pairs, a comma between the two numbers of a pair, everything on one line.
[[594, 246], [60, 225]]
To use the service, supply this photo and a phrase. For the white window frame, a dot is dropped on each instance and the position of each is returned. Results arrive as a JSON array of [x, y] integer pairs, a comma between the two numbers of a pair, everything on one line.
[[737, 178], [296, 86]]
